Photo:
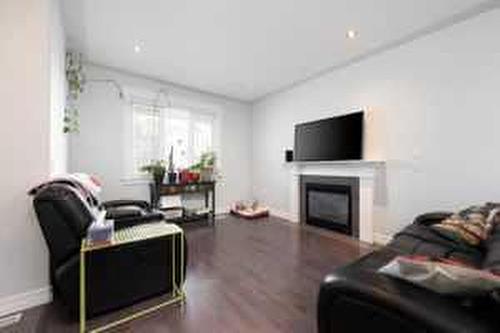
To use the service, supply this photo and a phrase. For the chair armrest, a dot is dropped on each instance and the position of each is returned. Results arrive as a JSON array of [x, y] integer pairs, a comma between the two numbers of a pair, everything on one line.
[[351, 300], [431, 218], [130, 221], [121, 203], [127, 213]]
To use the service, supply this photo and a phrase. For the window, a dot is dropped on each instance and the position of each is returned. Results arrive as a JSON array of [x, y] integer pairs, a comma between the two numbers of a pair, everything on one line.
[[156, 129]]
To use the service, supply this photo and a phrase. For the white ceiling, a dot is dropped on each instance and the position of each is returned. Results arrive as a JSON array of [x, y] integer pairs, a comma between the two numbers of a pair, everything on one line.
[[246, 49]]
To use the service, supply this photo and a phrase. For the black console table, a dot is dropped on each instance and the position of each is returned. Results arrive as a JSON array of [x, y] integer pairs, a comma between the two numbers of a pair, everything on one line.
[[207, 188]]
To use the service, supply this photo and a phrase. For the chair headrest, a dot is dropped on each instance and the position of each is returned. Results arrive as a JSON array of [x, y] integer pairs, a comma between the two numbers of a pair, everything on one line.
[[67, 202], [87, 186]]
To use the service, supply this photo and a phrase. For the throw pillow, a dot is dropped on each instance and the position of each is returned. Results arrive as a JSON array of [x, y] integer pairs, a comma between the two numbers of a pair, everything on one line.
[[472, 225], [444, 276]]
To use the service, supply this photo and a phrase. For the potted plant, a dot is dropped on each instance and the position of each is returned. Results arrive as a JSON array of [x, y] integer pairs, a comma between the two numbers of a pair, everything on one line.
[[75, 79], [157, 170], [207, 166], [194, 172]]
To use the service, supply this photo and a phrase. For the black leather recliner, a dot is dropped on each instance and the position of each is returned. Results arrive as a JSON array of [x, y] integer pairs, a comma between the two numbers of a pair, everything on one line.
[[116, 277], [356, 298]]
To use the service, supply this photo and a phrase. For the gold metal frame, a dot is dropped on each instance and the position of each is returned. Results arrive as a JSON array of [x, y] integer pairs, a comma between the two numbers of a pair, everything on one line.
[[178, 294]]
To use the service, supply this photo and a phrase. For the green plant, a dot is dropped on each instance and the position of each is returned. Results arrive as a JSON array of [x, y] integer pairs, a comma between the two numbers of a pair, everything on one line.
[[195, 167], [206, 161], [75, 79], [206, 166], [155, 168], [74, 74], [71, 119]]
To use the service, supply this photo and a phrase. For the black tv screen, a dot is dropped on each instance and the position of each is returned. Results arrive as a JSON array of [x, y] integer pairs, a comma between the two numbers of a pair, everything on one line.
[[332, 139]]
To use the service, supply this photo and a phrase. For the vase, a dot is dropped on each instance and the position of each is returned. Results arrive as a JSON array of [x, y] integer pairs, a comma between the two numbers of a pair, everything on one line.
[[206, 174], [158, 178], [172, 177], [184, 176], [195, 177]]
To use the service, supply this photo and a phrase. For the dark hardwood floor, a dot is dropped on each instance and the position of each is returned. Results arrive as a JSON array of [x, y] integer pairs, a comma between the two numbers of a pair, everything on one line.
[[243, 276]]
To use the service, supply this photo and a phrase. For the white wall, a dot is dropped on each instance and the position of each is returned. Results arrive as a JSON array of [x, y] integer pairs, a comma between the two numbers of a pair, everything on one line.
[[433, 116], [26, 29], [58, 140], [99, 147]]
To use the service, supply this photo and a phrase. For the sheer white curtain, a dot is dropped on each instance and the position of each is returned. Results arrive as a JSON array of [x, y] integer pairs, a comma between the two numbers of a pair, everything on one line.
[[155, 129]]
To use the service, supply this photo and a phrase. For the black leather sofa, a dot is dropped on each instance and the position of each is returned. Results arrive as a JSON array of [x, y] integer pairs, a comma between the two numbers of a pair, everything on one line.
[[116, 277], [356, 298]]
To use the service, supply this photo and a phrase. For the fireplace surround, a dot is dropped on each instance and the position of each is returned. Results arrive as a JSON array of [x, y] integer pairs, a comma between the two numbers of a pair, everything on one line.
[[330, 202], [368, 172]]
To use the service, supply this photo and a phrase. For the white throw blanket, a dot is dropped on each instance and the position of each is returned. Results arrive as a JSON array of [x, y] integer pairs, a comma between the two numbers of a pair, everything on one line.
[[85, 187]]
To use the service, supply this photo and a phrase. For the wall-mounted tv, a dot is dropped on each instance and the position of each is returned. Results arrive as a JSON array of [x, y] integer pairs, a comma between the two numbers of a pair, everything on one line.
[[332, 139]]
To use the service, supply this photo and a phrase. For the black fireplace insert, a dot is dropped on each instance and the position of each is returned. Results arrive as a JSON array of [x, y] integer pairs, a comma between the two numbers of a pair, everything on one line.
[[330, 203]]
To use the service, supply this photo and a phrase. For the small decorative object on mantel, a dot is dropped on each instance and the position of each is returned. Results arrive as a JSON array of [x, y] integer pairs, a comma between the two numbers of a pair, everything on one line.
[[172, 175], [157, 170], [75, 79]]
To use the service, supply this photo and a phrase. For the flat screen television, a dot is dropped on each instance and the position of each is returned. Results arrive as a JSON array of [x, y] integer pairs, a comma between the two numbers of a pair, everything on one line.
[[332, 139]]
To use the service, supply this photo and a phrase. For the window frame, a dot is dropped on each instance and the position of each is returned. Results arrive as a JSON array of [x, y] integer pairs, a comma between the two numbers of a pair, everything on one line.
[[134, 177]]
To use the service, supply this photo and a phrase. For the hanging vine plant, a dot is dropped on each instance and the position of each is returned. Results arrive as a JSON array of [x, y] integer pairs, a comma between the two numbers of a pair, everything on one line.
[[75, 79]]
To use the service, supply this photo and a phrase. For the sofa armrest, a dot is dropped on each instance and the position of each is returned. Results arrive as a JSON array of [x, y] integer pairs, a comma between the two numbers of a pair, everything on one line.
[[352, 300], [121, 203], [431, 218]]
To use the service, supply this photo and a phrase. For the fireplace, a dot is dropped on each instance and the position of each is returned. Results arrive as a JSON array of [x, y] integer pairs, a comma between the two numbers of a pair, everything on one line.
[[330, 202]]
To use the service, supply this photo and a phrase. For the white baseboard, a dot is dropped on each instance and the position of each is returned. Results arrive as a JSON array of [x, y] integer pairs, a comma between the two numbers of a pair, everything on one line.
[[26, 300], [283, 215], [381, 239], [10, 320], [221, 215], [378, 238]]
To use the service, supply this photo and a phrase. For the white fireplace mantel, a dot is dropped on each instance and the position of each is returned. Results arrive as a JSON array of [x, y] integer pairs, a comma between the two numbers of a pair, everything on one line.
[[366, 171]]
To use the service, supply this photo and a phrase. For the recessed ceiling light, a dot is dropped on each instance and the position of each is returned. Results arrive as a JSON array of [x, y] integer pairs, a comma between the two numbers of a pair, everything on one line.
[[351, 34], [137, 48]]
